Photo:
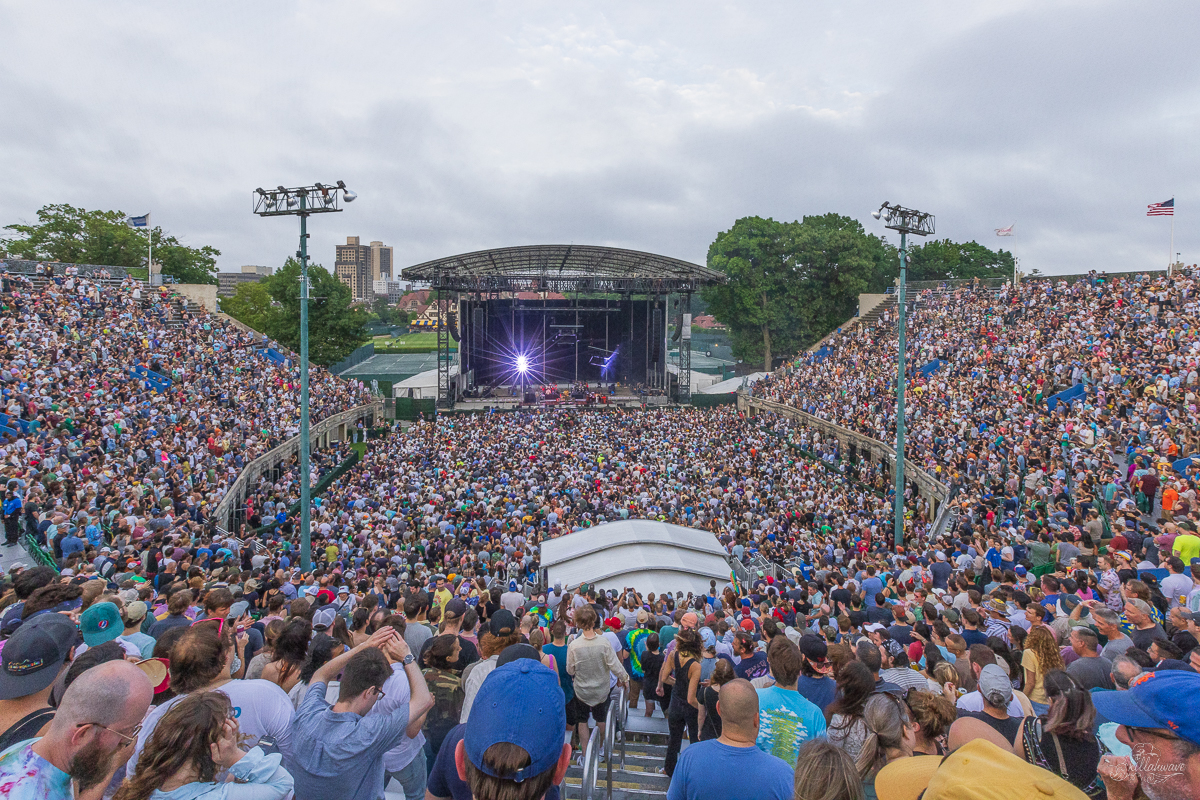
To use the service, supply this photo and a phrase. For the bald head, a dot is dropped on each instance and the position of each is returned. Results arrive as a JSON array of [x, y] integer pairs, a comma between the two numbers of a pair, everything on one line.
[[108, 694], [738, 707]]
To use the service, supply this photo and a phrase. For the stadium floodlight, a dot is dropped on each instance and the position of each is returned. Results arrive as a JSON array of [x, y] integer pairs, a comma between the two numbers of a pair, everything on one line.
[[301, 202], [906, 221]]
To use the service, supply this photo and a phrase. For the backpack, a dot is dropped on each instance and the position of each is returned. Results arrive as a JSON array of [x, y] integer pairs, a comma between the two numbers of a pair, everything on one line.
[[26, 727]]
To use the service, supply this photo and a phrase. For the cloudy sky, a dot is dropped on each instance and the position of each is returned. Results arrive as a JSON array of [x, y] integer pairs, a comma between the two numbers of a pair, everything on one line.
[[651, 126]]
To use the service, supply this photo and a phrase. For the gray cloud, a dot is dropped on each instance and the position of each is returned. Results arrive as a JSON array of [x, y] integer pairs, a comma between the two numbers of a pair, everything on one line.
[[650, 126]]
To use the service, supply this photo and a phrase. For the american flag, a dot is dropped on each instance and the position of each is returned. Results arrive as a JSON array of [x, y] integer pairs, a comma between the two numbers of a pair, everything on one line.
[[1166, 209]]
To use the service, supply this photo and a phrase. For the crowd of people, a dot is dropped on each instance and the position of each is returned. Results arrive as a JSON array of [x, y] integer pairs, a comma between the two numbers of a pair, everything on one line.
[[1047, 637], [120, 403]]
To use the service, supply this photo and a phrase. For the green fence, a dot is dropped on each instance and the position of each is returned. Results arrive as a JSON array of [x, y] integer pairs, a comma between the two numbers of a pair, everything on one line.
[[411, 408], [712, 400]]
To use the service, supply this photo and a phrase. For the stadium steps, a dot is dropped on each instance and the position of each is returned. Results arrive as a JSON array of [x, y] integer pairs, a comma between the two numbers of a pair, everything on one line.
[[645, 752], [869, 319]]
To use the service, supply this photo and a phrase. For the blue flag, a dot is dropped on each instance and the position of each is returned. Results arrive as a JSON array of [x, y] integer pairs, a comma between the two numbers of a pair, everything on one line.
[[139, 222]]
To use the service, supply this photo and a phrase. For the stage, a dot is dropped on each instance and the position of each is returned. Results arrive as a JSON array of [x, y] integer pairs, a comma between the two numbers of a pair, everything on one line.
[[564, 316], [563, 396]]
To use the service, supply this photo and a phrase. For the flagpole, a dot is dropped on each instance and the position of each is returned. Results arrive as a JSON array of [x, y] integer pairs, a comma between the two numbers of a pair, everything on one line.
[[1171, 252]]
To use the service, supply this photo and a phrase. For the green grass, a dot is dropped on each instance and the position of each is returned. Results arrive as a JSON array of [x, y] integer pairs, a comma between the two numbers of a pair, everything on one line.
[[425, 338], [420, 342]]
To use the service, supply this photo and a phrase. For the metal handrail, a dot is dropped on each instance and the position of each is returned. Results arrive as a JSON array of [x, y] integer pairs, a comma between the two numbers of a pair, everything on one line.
[[616, 718]]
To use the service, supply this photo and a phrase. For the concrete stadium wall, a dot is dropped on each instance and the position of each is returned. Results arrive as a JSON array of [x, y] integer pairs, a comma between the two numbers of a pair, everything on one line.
[[866, 304], [203, 294], [929, 487]]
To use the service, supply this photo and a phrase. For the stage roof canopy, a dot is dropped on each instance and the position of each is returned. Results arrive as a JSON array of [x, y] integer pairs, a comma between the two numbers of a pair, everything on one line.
[[563, 268]]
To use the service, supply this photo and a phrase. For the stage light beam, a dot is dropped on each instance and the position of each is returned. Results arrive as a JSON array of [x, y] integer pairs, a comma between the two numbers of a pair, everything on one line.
[[522, 364]]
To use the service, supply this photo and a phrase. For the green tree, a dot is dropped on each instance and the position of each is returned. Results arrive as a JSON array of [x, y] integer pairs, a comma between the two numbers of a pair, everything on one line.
[[336, 327], [383, 311], [943, 259], [790, 283], [251, 304], [757, 256], [836, 261], [76, 235]]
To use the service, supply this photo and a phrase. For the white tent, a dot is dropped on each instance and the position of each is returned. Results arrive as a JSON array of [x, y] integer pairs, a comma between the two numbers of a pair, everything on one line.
[[646, 555], [733, 384], [699, 379], [423, 384]]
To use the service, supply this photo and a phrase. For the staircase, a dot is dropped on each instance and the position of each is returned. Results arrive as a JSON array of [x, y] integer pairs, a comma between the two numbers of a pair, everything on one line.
[[634, 762]]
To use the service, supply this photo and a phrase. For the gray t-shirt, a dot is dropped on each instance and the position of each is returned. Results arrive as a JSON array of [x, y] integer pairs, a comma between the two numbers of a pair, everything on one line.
[[1115, 647], [1092, 673], [416, 634]]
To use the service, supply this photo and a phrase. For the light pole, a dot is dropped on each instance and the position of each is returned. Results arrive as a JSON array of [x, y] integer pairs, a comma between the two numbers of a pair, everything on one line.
[[907, 221], [301, 202]]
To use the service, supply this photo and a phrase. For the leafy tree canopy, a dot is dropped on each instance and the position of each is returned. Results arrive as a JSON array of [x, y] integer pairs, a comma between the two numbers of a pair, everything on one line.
[[336, 327], [791, 282], [251, 304], [943, 259], [75, 235]]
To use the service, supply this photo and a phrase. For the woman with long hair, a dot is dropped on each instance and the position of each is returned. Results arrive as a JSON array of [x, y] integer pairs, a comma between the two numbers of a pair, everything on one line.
[[537, 640], [709, 720], [324, 649], [359, 621], [933, 713], [1040, 656], [846, 726], [891, 734], [1061, 739], [194, 743], [289, 654], [267, 653], [684, 709]]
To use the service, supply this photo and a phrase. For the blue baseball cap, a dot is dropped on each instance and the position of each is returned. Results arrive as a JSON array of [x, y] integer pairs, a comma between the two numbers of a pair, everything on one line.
[[519, 703], [1156, 700]]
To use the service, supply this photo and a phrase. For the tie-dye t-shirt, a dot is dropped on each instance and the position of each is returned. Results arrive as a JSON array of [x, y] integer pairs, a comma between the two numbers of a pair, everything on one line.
[[786, 720], [24, 775]]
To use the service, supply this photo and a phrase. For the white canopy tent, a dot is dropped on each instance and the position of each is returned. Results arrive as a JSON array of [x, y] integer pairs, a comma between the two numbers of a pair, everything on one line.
[[733, 384], [646, 555]]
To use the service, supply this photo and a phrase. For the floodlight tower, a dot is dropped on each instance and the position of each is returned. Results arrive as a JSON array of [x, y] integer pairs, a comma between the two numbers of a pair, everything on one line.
[[907, 221], [300, 202]]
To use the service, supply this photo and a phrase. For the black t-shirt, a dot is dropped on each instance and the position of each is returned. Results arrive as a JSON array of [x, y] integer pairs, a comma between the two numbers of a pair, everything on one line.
[[712, 720], [1007, 727], [1143, 639], [841, 595]]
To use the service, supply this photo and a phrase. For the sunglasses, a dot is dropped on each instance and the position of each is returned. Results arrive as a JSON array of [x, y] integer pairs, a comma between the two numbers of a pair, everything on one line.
[[1149, 732], [127, 738]]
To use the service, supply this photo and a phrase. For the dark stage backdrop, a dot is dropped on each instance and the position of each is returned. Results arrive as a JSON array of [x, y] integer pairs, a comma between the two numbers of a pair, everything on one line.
[[565, 340]]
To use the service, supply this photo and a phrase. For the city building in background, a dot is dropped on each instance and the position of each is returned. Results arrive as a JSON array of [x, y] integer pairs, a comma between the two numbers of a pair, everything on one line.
[[227, 282], [363, 268]]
